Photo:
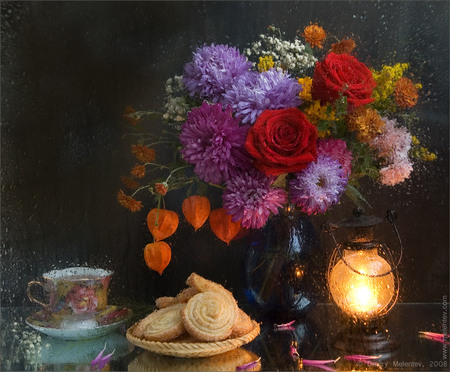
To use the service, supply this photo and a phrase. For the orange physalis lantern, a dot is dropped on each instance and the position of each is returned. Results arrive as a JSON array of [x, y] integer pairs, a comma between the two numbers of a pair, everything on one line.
[[196, 210], [157, 256], [222, 225], [162, 223]]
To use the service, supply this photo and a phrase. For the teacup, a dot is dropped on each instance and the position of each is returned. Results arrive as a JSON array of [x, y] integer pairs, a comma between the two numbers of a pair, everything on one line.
[[74, 291]]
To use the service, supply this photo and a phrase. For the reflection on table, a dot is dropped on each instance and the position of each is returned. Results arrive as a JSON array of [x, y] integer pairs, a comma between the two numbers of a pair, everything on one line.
[[148, 361], [26, 349], [315, 336]]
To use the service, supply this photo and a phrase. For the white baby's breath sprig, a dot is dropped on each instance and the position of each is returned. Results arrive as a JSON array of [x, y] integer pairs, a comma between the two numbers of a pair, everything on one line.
[[291, 56], [176, 106]]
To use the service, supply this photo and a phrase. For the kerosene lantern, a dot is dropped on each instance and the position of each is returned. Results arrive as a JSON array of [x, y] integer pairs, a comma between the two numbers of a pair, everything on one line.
[[363, 282]]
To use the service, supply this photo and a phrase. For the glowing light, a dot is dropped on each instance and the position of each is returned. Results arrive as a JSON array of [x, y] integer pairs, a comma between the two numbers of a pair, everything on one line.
[[362, 298], [363, 294]]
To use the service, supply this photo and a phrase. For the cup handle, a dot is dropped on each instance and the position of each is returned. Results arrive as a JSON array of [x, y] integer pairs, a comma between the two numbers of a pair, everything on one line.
[[30, 296]]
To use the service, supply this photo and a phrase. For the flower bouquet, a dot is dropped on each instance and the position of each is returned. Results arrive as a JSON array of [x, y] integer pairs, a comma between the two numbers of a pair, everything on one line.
[[281, 123]]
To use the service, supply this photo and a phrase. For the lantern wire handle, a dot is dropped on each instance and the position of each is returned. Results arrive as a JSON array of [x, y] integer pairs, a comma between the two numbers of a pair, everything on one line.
[[391, 216]]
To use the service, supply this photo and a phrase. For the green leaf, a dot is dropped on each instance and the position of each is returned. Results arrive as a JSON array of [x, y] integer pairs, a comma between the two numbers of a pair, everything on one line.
[[323, 125], [356, 196], [188, 192], [339, 129], [202, 188]]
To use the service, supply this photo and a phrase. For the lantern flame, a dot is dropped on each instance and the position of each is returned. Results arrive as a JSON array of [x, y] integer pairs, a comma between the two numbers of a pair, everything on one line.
[[362, 290]]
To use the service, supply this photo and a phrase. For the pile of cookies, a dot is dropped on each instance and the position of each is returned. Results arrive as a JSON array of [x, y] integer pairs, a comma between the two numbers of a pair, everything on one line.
[[204, 310]]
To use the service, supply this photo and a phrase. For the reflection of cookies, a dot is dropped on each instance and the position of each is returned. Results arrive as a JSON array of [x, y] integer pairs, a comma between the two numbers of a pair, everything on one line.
[[161, 325], [243, 324], [151, 362], [208, 316]]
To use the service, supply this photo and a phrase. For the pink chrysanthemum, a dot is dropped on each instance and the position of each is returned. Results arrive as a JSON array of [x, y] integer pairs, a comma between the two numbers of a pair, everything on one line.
[[395, 173], [318, 186], [336, 149], [393, 143], [250, 198], [213, 141]]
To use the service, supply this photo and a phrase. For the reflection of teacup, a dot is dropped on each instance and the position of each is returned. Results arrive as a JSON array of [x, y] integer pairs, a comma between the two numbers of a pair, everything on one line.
[[74, 291], [228, 361]]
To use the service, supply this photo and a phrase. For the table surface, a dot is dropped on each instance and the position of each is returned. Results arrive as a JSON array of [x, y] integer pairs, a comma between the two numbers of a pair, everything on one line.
[[315, 335]]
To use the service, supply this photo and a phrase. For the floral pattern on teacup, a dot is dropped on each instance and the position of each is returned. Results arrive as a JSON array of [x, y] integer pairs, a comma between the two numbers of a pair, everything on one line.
[[82, 300]]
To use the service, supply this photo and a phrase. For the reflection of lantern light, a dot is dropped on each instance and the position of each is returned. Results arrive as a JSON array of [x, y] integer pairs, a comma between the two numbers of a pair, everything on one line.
[[363, 282]]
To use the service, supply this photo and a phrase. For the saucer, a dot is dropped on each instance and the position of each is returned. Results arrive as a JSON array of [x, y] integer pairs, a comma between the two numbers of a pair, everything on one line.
[[59, 327]]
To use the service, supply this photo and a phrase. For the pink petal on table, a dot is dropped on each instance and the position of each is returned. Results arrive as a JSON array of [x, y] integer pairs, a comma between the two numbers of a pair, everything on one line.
[[248, 365], [100, 361], [284, 326], [361, 358], [438, 337], [324, 367], [294, 353], [311, 362], [98, 357]]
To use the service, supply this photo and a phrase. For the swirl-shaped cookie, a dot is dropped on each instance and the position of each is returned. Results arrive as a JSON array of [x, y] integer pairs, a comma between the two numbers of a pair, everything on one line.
[[204, 285], [161, 325], [182, 297], [243, 324], [209, 316], [186, 294]]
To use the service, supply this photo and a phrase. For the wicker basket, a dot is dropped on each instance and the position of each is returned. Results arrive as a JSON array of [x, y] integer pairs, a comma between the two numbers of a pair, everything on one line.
[[192, 349]]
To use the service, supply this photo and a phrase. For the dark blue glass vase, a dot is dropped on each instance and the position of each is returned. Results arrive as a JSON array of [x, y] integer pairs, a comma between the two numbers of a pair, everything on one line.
[[283, 270]]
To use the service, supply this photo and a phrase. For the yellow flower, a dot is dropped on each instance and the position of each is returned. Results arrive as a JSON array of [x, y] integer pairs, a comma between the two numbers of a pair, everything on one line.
[[386, 80], [316, 112], [415, 140], [427, 155], [306, 84], [422, 152], [265, 63]]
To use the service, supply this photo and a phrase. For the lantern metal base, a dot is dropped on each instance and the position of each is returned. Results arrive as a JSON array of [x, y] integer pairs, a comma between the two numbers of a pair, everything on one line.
[[365, 339]]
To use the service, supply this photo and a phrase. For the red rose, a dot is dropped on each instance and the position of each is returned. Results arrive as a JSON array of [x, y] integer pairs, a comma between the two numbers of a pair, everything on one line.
[[342, 73], [282, 141]]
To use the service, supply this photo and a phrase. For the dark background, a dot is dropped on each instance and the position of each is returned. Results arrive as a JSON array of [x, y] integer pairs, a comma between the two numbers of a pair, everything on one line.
[[70, 68]]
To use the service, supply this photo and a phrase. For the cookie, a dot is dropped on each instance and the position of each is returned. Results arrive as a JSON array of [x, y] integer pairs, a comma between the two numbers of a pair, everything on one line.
[[209, 316]]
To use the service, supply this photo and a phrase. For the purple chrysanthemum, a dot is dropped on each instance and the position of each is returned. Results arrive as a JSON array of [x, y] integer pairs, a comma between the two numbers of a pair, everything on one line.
[[336, 149], [213, 70], [253, 92], [318, 186], [250, 199], [213, 141]]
